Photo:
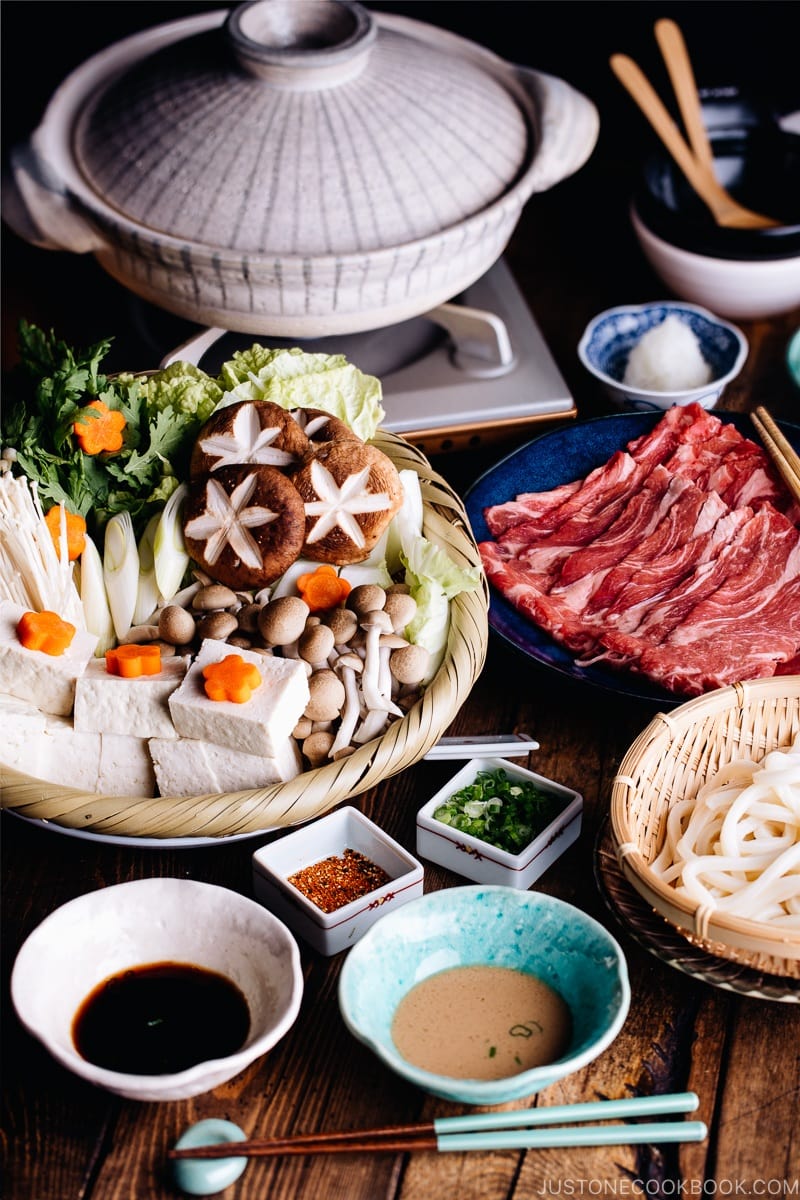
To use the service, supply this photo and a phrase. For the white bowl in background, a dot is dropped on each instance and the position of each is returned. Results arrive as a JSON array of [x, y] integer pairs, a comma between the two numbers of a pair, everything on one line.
[[743, 289], [609, 338], [147, 921], [476, 859], [345, 828]]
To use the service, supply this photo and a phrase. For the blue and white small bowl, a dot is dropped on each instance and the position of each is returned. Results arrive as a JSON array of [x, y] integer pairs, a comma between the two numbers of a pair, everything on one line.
[[610, 337], [482, 924]]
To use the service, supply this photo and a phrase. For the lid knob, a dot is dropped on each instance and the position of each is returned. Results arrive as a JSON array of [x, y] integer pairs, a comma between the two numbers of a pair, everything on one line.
[[301, 45]]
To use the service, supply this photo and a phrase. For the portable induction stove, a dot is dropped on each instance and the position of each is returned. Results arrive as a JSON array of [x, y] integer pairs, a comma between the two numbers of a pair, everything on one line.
[[470, 371]]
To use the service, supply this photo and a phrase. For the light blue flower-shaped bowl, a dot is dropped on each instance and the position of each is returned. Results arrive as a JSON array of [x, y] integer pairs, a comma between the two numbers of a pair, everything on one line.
[[497, 926], [610, 336]]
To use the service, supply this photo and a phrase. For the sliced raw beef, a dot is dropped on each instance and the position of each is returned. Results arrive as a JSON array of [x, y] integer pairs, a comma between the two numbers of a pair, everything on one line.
[[687, 424], [638, 518], [575, 521], [694, 513], [740, 553], [678, 558], [747, 593], [526, 507], [527, 595], [719, 598], [661, 578], [742, 646]]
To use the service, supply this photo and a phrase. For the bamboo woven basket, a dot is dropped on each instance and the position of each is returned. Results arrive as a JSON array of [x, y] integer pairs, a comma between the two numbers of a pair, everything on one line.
[[670, 761], [313, 792]]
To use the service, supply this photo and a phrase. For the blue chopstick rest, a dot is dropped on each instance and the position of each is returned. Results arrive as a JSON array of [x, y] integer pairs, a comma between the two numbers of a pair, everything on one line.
[[207, 1176]]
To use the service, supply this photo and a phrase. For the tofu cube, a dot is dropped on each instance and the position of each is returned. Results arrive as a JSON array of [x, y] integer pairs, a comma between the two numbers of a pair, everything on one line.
[[22, 724], [235, 772], [260, 725], [136, 707], [56, 754], [126, 768], [47, 747], [46, 680], [181, 767], [188, 767]]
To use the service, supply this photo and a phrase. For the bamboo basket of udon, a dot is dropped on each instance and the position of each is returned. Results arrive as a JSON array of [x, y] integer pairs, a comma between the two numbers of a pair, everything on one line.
[[677, 756], [313, 792]]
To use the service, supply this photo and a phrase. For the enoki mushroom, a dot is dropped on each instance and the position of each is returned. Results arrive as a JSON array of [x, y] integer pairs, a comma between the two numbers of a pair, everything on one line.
[[736, 844]]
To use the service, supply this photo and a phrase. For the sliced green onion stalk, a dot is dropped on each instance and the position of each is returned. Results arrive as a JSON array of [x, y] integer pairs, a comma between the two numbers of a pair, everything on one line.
[[507, 813], [170, 559], [121, 571], [96, 611], [148, 593]]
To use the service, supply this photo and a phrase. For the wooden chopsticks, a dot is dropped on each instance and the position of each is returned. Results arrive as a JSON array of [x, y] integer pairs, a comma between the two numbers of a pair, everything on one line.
[[785, 458], [487, 1131]]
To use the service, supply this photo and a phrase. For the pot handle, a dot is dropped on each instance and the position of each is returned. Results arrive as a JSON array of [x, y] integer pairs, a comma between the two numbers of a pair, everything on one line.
[[567, 127], [37, 206]]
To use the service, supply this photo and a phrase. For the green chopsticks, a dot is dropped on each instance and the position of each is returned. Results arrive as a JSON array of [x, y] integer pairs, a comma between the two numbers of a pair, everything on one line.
[[523, 1129]]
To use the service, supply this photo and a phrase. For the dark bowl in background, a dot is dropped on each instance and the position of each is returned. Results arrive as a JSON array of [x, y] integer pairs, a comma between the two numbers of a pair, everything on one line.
[[757, 158]]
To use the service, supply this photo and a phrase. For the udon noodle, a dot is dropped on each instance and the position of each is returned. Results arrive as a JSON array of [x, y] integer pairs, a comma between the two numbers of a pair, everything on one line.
[[736, 844]]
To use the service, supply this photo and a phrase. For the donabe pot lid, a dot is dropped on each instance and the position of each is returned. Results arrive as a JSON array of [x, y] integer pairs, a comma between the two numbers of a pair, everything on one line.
[[305, 127]]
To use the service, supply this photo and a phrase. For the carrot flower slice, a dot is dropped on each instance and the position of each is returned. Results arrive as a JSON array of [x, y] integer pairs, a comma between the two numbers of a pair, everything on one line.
[[231, 679], [102, 432], [323, 588], [76, 531], [45, 631], [133, 660]]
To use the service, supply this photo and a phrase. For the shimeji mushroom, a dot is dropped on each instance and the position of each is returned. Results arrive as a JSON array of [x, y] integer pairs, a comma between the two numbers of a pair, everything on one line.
[[374, 723], [248, 616], [408, 665], [389, 642], [315, 645], [326, 696], [282, 621], [217, 625], [401, 607], [302, 729], [343, 623], [366, 598], [375, 624], [348, 667], [176, 625], [316, 747]]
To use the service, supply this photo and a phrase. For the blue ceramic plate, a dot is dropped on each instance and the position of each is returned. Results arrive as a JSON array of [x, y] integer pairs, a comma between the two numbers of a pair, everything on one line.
[[550, 460]]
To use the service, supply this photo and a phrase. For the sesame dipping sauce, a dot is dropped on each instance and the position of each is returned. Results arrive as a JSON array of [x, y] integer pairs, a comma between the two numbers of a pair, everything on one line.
[[481, 1022]]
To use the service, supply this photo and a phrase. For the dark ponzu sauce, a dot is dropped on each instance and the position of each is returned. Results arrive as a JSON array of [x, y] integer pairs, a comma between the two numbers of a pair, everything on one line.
[[161, 1018]]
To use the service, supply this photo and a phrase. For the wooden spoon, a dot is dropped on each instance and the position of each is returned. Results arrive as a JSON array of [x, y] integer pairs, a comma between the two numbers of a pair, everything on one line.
[[697, 164], [676, 56]]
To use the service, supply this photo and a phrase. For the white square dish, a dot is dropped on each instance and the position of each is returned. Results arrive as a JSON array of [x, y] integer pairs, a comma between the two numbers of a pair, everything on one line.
[[479, 860], [345, 828]]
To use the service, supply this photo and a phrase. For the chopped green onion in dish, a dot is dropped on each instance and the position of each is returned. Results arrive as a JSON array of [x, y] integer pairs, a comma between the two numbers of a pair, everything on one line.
[[507, 813]]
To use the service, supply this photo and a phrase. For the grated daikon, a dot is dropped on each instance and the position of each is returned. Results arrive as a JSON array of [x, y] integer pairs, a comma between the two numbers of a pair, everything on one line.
[[667, 359]]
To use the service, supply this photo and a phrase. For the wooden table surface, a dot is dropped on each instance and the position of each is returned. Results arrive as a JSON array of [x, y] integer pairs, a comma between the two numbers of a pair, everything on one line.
[[64, 1140]]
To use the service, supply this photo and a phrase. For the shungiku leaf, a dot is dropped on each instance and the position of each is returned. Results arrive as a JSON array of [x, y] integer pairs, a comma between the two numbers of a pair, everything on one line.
[[121, 571]]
